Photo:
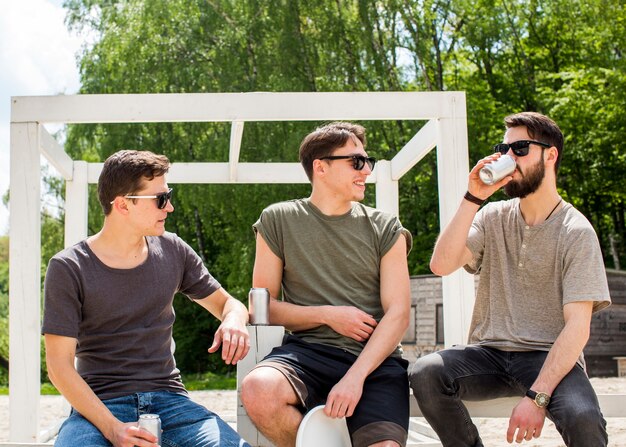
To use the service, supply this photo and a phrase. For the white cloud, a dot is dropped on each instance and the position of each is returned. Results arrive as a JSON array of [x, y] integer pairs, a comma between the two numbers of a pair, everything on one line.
[[38, 57]]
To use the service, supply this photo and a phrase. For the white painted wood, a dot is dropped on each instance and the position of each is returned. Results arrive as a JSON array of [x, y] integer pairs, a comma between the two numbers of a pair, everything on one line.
[[218, 173], [416, 149], [236, 108], [387, 195], [452, 169], [76, 204], [236, 134], [612, 405], [22, 444], [221, 107], [262, 340], [55, 154], [48, 434], [24, 283]]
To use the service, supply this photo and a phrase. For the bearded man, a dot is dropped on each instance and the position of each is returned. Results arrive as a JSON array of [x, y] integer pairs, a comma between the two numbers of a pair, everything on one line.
[[541, 277]]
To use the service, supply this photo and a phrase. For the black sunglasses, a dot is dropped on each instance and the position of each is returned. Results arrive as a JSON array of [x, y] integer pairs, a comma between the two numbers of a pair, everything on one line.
[[358, 161], [161, 198], [520, 148]]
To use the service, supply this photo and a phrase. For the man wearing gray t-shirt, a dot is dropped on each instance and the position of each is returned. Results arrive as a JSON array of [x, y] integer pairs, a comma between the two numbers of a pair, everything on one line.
[[341, 269], [541, 278], [108, 318]]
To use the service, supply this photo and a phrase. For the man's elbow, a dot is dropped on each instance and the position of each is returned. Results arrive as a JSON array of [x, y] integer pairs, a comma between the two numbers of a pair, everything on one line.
[[52, 370], [439, 268]]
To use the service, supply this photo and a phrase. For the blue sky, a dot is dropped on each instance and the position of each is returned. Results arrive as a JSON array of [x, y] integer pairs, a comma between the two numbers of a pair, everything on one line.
[[37, 57]]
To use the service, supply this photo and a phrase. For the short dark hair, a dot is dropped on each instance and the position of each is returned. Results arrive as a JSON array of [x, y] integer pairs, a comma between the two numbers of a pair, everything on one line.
[[124, 173], [540, 128], [323, 141]]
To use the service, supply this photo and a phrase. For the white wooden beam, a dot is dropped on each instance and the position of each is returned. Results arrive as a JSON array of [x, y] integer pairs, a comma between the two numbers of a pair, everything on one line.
[[24, 283], [236, 134], [221, 107], [416, 149], [387, 193], [55, 154], [76, 204], [214, 173], [452, 169]]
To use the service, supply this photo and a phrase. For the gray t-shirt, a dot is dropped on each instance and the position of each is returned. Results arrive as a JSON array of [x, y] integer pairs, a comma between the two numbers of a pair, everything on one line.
[[330, 260], [528, 273], [122, 318]]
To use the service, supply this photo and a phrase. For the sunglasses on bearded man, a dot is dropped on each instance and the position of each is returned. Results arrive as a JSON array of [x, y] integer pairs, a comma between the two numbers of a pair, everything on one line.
[[520, 148]]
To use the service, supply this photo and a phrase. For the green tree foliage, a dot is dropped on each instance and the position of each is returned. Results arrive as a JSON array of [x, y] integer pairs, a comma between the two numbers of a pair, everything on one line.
[[561, 57], [4, 310]]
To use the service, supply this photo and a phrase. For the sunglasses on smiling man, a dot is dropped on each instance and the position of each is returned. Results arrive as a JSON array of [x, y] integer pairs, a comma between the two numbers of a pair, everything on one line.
[[520, 148], [161, 198], [358, 161]]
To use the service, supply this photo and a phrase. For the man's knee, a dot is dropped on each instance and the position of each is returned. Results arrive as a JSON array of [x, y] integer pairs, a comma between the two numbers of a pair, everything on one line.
[[264, 388], [77, 430], [583, 421], [426, 373]]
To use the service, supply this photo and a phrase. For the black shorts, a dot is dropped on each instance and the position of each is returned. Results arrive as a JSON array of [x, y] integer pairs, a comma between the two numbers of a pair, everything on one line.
[[313, 369]]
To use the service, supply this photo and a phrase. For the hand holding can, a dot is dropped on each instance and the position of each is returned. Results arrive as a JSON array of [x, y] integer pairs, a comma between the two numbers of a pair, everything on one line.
[[495, 171], [152, 424]]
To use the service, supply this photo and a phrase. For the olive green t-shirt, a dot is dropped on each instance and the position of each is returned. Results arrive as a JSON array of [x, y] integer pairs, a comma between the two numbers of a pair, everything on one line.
[[330, 260]]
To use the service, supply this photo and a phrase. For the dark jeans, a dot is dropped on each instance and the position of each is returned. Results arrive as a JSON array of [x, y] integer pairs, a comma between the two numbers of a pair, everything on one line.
[[440, 380]]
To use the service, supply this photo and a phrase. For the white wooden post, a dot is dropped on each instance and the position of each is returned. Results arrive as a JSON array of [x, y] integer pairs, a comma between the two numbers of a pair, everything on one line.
[[24, 283], [452, 169], [76, 204], [387, 196], [262, 340]]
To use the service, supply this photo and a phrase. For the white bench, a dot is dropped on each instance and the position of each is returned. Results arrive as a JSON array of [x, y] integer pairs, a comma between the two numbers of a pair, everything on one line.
[[264, 338]]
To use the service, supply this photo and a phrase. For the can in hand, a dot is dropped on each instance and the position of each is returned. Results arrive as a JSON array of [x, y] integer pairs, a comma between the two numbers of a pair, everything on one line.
[[259, 306], [496, 170], [151, 423]]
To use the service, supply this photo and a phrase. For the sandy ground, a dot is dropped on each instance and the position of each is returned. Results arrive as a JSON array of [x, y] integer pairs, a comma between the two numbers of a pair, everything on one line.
[[492, 430]]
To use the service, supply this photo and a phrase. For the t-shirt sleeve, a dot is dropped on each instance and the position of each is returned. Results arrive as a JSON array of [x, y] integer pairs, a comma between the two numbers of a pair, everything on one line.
[[197, 282], [476, 243], [62, 300], [584, 276], [392, 230], [268, 226]]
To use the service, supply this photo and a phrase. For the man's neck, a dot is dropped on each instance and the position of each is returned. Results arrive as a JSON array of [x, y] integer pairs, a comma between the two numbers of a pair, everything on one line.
[[118, 248], [537, 207], [330, 205]]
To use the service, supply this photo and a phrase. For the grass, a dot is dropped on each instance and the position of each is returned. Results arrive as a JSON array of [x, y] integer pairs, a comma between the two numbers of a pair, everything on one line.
[[210, 381], [193, 382]]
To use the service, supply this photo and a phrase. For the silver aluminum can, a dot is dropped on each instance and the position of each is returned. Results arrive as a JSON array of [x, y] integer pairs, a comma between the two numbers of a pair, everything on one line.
[[259, 306], [151, 423], [496, 170]]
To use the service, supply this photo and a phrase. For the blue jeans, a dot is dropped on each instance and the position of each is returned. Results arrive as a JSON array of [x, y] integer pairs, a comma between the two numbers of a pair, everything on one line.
[[440, 380], [184, 422]]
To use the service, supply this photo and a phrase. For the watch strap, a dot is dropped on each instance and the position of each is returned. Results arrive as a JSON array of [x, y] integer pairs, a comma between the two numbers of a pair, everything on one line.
[[532, 394]]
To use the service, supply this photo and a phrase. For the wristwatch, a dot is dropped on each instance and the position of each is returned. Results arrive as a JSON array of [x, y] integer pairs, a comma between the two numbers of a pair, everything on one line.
[[539, 398]]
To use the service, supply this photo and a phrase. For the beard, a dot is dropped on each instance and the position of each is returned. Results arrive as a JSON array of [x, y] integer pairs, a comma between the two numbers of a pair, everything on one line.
[[529, 182]]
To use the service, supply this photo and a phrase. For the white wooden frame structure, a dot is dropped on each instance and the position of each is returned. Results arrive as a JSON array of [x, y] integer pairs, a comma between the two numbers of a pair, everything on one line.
[[445, 129]]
